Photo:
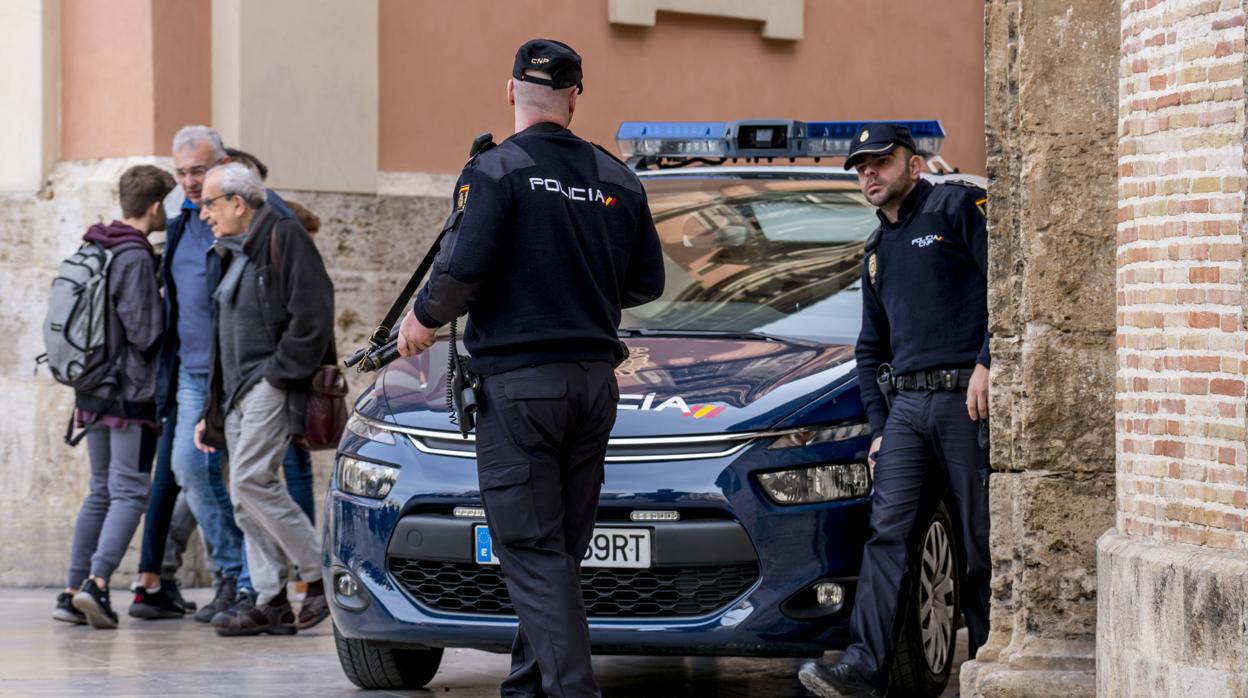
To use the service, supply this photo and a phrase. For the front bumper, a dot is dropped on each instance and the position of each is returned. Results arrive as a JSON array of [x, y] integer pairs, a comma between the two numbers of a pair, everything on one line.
[[719, 577]]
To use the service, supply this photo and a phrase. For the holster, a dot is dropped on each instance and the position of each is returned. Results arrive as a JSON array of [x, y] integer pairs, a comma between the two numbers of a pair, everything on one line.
[[466, 395], [884, 379]]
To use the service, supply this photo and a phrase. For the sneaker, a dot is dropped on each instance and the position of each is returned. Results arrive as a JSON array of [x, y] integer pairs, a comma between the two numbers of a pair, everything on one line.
[[838, 680], [244, 602], [174, 589], [150, 605], [259, 620], [93, 602], [65, 611], [315, 607], [226, 594]]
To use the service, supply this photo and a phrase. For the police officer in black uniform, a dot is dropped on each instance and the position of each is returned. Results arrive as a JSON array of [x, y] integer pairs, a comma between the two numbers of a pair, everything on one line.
[[925, 312], [549, 237]]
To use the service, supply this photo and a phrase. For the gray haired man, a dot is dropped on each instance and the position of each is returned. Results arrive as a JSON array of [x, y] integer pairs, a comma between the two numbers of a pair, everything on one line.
[[274, 323], [189, 273]]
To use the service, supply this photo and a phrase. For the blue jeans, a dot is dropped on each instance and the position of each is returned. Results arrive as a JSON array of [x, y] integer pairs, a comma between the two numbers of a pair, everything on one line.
[[199, 475], [297, 467]]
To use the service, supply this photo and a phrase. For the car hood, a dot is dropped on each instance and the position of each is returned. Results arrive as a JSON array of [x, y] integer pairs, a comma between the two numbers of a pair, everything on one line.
[[669, 386]]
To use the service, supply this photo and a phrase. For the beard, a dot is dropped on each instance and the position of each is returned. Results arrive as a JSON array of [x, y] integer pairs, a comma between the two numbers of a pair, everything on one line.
[[891, 191]]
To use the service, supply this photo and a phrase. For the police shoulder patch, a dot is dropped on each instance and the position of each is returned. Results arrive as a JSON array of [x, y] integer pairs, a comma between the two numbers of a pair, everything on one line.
[[461, 196]]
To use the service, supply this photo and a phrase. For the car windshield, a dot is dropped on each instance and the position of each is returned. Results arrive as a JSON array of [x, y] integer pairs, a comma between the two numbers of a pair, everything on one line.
[[775, 255]]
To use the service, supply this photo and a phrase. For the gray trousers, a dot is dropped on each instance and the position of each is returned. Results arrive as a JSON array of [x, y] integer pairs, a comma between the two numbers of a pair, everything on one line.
[[121, 470], [277, 531]]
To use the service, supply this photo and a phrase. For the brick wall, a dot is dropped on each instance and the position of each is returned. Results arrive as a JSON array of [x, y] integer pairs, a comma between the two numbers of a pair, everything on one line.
[[1181, 335]]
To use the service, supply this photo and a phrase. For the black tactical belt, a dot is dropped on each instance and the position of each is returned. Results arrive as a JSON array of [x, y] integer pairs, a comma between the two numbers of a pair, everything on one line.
[[935, 379]]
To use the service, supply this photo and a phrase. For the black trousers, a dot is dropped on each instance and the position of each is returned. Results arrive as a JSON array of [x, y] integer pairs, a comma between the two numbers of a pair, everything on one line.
[[926, 430], [156, 522], [541, 439]]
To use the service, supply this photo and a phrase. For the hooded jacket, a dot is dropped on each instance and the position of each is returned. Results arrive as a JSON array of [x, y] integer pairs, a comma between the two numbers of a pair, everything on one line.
[[135, 323]]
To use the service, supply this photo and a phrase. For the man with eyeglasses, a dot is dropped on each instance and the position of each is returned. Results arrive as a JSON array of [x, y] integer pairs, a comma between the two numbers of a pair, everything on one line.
[[189, 273], [273, 325]]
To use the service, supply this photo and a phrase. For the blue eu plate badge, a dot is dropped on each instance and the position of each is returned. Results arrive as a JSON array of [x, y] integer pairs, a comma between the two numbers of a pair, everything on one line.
[[485, 548]]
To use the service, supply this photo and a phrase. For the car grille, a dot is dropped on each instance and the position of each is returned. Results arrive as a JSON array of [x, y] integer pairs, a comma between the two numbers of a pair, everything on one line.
[[459, 587]]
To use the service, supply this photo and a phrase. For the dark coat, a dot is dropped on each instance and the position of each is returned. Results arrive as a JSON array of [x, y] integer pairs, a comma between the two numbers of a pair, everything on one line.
[[167, 360], [296, 296]]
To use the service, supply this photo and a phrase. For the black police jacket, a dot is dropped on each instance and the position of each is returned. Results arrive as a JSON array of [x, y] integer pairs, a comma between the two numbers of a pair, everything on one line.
[[924, 289], [548, 238]]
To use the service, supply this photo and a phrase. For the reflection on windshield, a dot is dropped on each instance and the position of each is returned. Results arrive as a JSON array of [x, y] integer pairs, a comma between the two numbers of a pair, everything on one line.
[[778, 256]]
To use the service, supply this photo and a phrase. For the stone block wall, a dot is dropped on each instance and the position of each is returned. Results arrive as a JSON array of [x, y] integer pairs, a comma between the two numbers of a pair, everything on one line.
[[1051, 128], [370, 244], [1173, 604]]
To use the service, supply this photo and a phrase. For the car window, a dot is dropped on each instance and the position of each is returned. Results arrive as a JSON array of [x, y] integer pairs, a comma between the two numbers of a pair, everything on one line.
[[776, 255]]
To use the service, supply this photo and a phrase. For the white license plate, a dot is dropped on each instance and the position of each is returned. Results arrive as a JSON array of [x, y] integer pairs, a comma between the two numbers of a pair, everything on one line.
[[609, 547]]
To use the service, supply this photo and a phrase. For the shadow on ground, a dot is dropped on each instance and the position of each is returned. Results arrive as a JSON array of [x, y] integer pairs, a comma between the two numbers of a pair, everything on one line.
[[41, 657]]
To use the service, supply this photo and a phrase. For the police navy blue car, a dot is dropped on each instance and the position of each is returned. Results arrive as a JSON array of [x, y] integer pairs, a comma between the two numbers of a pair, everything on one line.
[[736, 498]]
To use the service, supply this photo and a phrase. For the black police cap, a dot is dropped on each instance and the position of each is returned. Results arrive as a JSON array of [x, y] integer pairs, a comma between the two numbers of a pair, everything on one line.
[[554, 58], [878, 139]]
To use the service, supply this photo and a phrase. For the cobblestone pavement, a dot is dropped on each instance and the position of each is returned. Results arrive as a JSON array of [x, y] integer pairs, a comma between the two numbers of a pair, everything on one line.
[[41, 657]]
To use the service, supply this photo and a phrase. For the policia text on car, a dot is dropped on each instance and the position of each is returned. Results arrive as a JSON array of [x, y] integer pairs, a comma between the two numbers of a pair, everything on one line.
[[924, 311], [543, 272]]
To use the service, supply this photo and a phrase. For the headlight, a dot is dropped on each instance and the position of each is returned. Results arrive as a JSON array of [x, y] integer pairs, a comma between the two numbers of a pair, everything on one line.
[[364, 478], [819, 483], [813, 437], [362, 427]]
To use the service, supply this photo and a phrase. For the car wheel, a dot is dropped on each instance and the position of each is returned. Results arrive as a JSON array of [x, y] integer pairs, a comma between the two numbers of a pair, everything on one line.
[[924, 656], [372, 667]]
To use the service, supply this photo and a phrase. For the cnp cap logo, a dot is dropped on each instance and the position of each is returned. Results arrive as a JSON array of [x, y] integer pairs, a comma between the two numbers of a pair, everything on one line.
[[865, 135], [539, 61]]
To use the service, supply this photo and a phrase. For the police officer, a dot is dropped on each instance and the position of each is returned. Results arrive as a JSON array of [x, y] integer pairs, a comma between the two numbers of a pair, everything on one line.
[[549, 237], [925, 311]]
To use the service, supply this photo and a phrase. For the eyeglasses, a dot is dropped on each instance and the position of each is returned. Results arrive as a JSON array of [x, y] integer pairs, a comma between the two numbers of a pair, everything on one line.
[[207, 203], [196, 172]]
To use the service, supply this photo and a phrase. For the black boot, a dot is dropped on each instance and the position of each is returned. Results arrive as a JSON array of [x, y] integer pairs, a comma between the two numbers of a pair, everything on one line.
[[225, 596], [838, 681]]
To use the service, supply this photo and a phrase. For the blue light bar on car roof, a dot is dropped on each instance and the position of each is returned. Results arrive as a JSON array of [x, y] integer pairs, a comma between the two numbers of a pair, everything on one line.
[[673, 138], [833, 138], [755, 138]]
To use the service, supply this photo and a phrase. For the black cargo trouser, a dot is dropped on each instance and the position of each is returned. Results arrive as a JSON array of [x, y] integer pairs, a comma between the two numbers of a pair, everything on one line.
[[541, 439], [925, 431]]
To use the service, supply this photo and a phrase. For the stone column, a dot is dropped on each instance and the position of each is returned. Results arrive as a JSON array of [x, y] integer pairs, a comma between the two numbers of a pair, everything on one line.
[[29, 92], [1051, 124], [296, 82], [110, 121]]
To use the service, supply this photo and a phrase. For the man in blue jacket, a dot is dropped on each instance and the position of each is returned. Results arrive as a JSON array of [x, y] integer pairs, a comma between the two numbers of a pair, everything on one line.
[[925, 312], [189, 273]]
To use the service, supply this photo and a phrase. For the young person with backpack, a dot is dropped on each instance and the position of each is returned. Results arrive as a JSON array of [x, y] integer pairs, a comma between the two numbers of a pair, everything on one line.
[[114, 384]]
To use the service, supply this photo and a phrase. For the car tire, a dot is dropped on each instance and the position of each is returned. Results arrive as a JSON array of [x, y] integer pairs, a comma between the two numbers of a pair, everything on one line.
[[371, 667], [925, 648]]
